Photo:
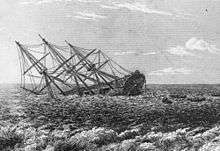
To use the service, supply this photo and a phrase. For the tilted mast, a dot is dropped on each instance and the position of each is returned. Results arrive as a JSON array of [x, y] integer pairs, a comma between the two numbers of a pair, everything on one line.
[[38, 66]]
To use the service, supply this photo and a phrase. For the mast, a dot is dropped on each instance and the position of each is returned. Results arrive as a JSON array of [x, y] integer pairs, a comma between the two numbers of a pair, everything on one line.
[[92, 67], [38, 66]]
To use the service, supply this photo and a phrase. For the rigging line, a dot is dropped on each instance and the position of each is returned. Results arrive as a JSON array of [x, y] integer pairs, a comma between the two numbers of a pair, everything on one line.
[[115, 63], [106, 57], [96, 70], [110, 65], [40, 84], [35, 51], [94, 59], [53, 67], [32, 46], [45, 51], [59, 57], [34, 82], [117, 69], [20, 62], [30, 57], [82, 49], [60, 48], [24, 64], [71, 54]]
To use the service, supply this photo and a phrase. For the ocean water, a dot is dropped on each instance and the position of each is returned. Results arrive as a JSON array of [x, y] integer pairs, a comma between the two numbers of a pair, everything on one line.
[[10, 92], [10, 97]]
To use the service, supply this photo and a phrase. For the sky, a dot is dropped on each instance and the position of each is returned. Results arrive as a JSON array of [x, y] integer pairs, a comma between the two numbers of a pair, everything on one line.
[[170, 41]]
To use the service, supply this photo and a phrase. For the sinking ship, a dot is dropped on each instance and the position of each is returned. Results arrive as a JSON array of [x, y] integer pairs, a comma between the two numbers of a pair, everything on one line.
[[52, 69]]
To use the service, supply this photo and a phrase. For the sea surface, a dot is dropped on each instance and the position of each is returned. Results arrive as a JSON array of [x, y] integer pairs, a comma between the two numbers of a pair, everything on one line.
[[10, 97]]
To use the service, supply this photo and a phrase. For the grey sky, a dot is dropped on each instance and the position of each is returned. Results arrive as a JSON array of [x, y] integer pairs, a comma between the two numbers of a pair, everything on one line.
[[171, 41]]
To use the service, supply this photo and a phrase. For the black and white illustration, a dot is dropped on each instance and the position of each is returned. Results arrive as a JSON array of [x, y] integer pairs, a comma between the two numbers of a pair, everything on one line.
[[109, 75]]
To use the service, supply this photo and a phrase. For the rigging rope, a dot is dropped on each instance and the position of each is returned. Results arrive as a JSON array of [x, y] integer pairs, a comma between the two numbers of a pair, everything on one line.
[[32, 46], [105, 56], [21, 69]]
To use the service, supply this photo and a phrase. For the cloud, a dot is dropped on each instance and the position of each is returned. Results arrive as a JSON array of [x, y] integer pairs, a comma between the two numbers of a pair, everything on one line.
[[171, 71], [139, 7], [48, 1], [179, 51], [108, 6], [136, 7], [27, 2], [148, 53], [121, 52], [192, 46], [201, 45], [88, 16], [89, 1], [39, 2]]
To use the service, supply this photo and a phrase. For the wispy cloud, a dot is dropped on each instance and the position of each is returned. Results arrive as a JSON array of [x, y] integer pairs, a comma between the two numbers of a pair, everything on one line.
[[89, 1], [135, 7], [88, 16], [141, 7], [121, 52], [48, 1], [192, 46], [27, 2], [39, 2], [171, 71], [108, 6], [179, 51], [148, 53], [201, 45]]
